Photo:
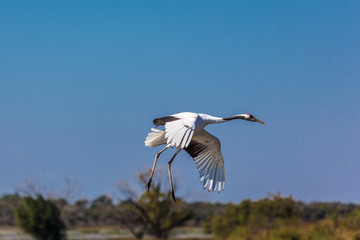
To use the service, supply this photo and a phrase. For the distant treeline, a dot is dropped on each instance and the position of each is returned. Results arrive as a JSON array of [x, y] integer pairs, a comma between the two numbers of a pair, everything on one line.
[[154, 213], [277, 217], [104, 212]]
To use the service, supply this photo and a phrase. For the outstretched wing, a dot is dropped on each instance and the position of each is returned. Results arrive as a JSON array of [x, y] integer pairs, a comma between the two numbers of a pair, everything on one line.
[[179, 128], [205, 149]]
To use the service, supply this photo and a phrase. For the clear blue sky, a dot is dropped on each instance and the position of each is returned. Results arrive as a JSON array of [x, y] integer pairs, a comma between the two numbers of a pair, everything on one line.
[[81, 81]]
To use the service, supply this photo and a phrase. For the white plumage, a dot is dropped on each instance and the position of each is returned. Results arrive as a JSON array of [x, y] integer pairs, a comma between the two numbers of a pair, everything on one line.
[[186, 131], [209, 161]]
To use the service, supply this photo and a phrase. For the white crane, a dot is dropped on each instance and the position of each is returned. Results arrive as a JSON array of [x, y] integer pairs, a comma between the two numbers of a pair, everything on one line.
[[186, 131]]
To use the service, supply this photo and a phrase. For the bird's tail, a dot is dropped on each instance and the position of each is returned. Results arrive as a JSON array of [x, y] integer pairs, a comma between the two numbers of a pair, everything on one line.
[[155, 138]]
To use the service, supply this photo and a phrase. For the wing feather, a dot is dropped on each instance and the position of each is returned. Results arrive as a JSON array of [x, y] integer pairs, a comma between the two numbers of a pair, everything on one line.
[[180, 130], [205, 149]]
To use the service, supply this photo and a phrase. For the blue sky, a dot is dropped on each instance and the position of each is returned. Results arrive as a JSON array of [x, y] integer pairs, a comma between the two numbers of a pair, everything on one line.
[[81, 81]]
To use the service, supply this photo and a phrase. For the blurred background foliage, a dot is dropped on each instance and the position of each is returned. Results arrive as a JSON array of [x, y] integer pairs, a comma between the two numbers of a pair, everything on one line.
[[154, 214]]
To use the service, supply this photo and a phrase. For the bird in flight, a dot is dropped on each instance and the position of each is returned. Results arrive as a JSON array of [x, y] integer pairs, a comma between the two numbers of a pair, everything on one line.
[[186, 131]]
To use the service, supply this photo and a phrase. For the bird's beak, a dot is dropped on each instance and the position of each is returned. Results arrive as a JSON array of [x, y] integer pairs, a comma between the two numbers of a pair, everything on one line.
[[259, 121]]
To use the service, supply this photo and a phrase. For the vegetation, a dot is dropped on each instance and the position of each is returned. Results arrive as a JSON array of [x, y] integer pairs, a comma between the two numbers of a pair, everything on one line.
[[276, 218], [8, 205], [40, 218], [154, 213]]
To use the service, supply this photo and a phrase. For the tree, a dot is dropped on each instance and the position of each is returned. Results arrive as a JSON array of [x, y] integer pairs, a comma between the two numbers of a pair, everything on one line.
[[131, 219], [152, 212], [74, 215], [101, 211], [158, 212], [40, 218]]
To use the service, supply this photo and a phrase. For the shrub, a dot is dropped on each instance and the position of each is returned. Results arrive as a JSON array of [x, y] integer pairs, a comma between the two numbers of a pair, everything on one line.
[[286, 233], [323, 230], [40, 218]]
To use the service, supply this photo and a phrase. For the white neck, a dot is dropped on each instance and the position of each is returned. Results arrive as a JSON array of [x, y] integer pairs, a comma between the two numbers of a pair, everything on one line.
[[208, 119]]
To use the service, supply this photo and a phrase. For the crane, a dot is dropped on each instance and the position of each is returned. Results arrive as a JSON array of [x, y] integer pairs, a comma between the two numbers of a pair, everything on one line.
[[186, 131]]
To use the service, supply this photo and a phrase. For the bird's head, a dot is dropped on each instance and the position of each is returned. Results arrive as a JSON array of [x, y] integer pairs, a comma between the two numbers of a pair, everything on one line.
[[249, 117]]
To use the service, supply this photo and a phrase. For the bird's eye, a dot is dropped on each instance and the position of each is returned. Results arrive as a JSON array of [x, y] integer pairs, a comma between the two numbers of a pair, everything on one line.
[[251, 116]]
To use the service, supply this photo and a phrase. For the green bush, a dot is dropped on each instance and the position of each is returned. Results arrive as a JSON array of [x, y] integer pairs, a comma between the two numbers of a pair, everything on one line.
[[258, 216], [221, 227], [286, 233], [323, 230], [40, 218], [235, 215], [352, 222]]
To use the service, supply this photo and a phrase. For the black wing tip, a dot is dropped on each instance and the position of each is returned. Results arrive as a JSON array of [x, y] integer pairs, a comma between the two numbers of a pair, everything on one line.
[[161, 121], [157, 122]]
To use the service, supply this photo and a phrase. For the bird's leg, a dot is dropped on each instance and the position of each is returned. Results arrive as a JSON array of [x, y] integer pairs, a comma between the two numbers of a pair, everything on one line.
[[153, 168], [169, 170]]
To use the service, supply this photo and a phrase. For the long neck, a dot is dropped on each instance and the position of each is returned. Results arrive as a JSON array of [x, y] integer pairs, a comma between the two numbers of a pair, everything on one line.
[[240, 116], [208, 119]]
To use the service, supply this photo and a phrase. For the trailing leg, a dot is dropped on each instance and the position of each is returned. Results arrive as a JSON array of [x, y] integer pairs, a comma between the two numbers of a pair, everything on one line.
[[169, 170], [154, 165]]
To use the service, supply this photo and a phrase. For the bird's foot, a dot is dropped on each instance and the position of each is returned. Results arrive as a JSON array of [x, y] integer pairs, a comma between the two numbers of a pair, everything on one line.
[[173, 195], [148, 184]]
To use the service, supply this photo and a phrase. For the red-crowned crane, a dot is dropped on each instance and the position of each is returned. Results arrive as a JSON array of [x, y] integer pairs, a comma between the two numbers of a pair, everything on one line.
[[186, 131]]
